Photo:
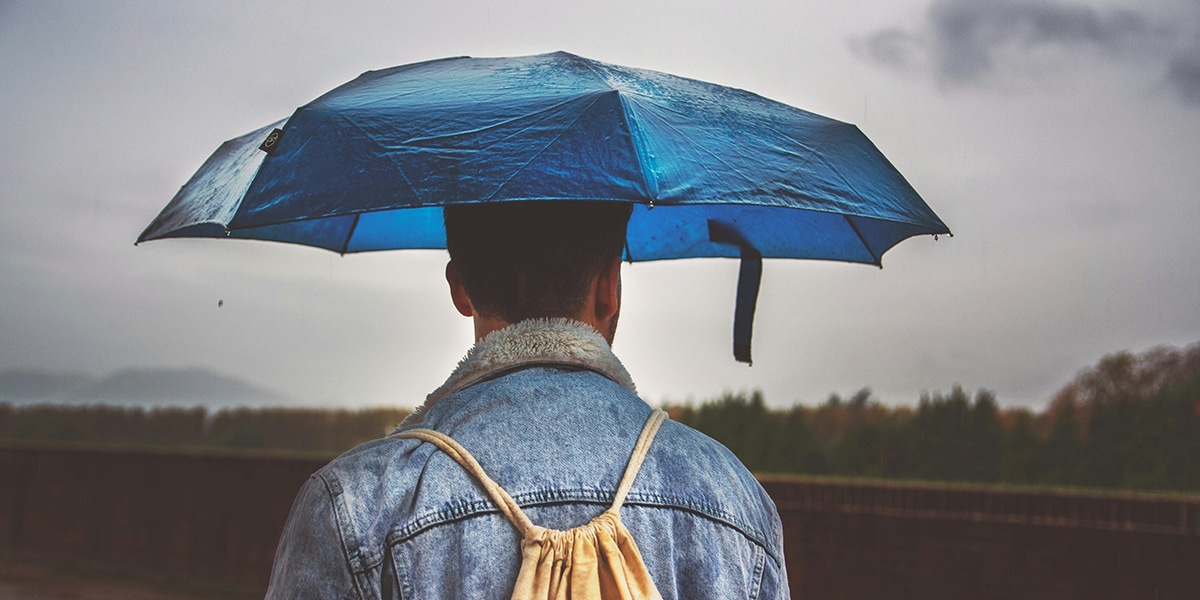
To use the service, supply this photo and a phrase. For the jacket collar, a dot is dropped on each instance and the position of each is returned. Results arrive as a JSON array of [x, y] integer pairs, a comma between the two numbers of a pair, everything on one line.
[[556, 341]]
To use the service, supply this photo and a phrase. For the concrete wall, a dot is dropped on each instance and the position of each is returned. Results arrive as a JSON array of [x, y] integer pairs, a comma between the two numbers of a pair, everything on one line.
[[216, 518]]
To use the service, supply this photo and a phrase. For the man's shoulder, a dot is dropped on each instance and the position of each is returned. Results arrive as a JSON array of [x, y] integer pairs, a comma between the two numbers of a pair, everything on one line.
[[546, 436], [693, 472]]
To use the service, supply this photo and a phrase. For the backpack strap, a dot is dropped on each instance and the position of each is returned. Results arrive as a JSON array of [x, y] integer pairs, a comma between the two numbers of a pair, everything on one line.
[[455, 450], [503, 501], [649, 430]]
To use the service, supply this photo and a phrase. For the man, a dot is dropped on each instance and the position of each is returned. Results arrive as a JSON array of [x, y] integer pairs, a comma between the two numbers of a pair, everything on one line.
[[552, 416]]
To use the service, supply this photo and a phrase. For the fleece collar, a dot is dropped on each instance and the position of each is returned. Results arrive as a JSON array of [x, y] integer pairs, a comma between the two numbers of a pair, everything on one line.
[[555, 341]]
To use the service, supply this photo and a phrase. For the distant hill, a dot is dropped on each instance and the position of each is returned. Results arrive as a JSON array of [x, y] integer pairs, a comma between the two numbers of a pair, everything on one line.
[[18, 385], [142, 386]]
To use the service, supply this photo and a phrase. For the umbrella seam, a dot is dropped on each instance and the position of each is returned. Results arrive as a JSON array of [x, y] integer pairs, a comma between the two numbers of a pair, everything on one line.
[[836, 171], [408, 182], [251, 190], [376, 74], [499, 123], [590, 64], [634, 139], [543, 149], [853, 190], [221, 217], [815, 151], [709, 152]]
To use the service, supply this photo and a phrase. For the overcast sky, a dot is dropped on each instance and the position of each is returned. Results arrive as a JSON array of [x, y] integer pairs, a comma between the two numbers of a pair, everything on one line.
[[1058, 140]]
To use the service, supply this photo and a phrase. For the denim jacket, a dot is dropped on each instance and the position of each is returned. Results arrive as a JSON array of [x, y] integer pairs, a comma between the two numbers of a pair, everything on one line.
[[552, 417]]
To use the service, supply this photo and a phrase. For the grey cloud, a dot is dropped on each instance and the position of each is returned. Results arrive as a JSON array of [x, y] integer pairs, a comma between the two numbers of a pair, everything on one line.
[[968, 33], [1183, 75], [893, 47], [968, 41]]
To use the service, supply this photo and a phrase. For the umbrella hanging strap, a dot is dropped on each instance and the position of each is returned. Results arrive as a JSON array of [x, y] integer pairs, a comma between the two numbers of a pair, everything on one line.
[[749, 278]]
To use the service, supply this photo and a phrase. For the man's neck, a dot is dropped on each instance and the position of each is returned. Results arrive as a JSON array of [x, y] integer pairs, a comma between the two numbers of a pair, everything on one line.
[[487, 324]]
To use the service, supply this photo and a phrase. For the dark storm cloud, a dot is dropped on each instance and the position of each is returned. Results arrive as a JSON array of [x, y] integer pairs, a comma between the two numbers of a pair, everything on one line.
[[969, 41], [968, 33]]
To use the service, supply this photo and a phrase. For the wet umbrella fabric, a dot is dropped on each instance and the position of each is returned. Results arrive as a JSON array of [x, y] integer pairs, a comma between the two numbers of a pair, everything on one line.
[[712, 171]]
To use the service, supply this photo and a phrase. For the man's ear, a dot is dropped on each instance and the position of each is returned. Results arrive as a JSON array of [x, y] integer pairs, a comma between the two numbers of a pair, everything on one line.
[[458, 293], [608, 291]]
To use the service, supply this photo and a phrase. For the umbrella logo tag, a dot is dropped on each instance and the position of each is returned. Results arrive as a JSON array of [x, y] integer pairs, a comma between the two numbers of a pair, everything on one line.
[[272, 141]]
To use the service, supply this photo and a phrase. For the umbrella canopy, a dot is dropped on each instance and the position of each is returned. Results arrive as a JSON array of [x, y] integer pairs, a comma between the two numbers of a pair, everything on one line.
[[712, 171]]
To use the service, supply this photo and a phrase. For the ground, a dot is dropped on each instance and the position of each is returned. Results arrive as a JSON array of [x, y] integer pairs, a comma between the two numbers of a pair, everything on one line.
[[21, 579]]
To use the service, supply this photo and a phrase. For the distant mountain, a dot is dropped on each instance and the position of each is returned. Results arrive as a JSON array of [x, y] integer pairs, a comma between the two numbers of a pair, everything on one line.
[[143, 386], [39, 385]]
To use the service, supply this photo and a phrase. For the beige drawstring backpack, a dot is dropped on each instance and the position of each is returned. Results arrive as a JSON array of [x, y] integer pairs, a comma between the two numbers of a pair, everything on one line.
[[597, 561]]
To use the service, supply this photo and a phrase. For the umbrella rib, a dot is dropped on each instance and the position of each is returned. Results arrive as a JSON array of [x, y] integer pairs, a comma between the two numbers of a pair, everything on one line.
[[350, 234], [540, 151], [863, 240]]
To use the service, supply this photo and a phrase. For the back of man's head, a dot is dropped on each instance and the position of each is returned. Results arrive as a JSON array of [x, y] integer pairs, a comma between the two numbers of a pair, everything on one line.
[[520, 260]]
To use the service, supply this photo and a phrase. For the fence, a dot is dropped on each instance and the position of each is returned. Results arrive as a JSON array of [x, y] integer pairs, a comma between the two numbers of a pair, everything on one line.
[[920, 540], [198, 517], [216, 518]]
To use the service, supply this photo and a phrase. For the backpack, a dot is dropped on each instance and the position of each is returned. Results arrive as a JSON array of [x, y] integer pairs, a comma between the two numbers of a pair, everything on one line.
[[596, 561]]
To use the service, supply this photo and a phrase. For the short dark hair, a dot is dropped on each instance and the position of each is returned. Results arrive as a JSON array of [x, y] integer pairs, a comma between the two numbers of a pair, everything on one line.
[[520, 260]]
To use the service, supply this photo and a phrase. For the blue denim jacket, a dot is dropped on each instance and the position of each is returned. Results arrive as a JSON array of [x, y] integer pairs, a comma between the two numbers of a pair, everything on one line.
[[396, 518]]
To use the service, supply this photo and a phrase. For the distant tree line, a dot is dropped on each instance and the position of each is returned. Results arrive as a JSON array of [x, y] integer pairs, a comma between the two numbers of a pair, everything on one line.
[[318, 431], [1130, 421]]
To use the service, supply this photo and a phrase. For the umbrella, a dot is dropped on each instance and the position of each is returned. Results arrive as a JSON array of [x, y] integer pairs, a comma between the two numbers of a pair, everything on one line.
[[712, 171]]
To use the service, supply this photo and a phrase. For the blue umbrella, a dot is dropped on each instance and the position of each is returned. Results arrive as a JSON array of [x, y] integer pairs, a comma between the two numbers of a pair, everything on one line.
[[711, 170]]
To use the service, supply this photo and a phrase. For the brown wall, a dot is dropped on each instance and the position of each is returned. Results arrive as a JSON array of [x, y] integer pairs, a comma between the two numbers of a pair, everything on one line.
[[217, 517]]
